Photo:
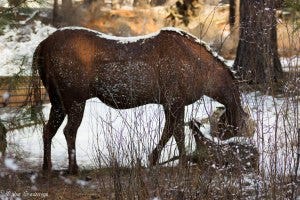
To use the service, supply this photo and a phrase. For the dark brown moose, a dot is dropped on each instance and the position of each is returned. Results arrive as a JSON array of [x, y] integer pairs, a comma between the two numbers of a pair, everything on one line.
[[170, 67]]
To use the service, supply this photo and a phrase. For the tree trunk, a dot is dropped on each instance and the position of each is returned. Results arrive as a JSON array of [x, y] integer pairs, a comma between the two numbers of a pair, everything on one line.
[[257, 57], [55, 12], [66, 6], [232, 13]]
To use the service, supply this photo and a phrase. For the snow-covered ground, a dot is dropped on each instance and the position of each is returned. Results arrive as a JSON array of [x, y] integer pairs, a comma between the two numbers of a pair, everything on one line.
[[106, 132], [277, 120], [31, 4], [133, 133], [125, 133]]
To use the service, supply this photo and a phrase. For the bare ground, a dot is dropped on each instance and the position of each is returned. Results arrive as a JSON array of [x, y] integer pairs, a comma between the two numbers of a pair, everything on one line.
[[125, 183]]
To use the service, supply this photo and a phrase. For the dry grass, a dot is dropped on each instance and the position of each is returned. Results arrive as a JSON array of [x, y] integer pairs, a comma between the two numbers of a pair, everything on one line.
[[140, 183], [128, 183]]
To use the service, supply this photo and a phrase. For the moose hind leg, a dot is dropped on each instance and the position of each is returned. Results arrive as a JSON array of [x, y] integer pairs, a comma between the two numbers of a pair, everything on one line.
[[75, 114], [55, 120]]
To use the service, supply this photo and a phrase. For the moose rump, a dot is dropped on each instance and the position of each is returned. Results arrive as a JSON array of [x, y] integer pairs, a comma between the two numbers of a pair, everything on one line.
[[170, 67]]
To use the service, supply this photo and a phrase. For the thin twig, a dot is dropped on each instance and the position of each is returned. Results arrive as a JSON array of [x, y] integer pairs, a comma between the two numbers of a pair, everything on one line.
[[298, 157], [295, 178]]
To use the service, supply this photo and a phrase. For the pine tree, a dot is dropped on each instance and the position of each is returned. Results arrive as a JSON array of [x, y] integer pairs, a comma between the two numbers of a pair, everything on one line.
[[257, 57]]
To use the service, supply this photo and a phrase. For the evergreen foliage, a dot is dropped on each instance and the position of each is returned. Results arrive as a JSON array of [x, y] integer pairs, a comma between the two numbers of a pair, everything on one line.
[[293, 6]]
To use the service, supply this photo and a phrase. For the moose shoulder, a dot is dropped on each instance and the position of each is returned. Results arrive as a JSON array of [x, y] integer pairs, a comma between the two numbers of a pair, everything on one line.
[[170, 67]]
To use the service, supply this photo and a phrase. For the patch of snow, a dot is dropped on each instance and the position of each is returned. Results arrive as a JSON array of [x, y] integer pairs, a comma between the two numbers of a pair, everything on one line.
[[33, 188], [29, 18], [10, 164], [156, 198], [287, 63], [291, 63], [33, 178], [82, 183], [276, 132], [8, 195], [5, 96], [122, 40], [206, 133], [66, 180], [17, 46], [30, 4], [205, 129], [4, 3], [93, 186]]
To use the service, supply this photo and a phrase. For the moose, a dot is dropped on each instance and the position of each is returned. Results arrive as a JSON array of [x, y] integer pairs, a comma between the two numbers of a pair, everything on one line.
[[169, 67]]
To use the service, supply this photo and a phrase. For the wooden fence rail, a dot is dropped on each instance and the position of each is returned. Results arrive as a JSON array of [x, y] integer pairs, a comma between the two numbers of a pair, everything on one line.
[[15, 93]]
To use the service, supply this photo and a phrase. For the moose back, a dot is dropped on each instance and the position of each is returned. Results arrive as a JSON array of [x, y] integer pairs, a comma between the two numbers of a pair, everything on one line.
[[170, 67]]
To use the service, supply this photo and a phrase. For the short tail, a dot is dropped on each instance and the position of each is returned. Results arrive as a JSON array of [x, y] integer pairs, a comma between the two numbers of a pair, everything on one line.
[[35, 82], [40, 76], [35, 90]]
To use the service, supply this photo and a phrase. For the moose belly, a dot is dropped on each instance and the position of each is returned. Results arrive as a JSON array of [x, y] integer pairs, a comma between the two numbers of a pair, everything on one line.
[[123, 96], [122, 100]]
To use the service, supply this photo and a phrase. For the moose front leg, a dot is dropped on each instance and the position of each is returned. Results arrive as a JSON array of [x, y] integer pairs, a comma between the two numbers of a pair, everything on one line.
[[174, 125], [178, 132]]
